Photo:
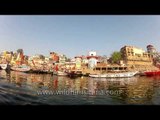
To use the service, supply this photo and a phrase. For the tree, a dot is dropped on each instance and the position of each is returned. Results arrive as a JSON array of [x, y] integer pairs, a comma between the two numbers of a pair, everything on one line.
[[116, 56], [42, 57], [68, 60], [20, 51]]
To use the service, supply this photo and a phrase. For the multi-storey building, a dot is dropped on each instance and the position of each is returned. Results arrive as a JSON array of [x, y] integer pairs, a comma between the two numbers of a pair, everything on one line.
[[6, 56], [78, 60], [155, 54], [151, 49], [135, 56], [54, 56], [62, 58], [92, 59]]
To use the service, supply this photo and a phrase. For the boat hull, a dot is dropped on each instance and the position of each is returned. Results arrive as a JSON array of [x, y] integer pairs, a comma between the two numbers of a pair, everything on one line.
[[21, 69], [3, 66], [152, 73], [114, 75], [74, 74], [60, 73]]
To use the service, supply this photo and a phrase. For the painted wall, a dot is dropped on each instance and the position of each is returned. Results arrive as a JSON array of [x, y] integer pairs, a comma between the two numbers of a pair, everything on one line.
[[92, 62]]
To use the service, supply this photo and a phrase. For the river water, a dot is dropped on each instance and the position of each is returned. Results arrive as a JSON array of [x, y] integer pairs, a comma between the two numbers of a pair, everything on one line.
[[44, 89]]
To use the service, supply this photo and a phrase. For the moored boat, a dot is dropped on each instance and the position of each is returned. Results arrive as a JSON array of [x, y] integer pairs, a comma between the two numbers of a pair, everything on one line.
[[114, 75], [3, 66], [60, 73], [21, 68], [74, 73], [152, 73]]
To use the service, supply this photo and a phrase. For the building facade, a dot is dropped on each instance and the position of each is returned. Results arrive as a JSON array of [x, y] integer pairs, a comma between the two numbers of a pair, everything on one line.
[[135, 56], [6, 56], [54, 56], [151, 49], [92, 60], [155, 54], [78, 62], [62, 58], [92, 53]]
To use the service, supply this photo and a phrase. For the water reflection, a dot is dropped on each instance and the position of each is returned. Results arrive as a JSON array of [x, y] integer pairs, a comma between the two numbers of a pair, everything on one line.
[[135, 90], [140, 93]]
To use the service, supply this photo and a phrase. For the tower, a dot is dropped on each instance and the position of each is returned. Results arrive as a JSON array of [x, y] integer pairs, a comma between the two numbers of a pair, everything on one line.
[[151, 49]]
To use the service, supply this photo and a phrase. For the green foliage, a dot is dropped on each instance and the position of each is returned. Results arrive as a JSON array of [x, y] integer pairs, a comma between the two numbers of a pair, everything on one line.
[[116, 57], [68, 60], [42, 57], [20, 51]]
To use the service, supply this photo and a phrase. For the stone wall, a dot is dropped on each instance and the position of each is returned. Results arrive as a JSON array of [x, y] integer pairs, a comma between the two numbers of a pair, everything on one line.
[[142, 68], [130, 63]]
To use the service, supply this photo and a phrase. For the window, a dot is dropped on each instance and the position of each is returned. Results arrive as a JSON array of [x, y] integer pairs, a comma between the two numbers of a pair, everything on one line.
[[98, 69], [103, 68]]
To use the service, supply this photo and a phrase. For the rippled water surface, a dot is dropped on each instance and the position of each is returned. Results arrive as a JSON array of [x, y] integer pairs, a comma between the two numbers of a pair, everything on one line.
[[44, 89]]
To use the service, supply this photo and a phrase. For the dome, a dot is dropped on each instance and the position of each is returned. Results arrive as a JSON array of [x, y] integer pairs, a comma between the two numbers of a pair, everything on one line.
[[149, 46]]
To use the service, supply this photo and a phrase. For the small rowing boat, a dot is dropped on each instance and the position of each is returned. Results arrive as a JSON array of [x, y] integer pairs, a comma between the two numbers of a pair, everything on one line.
[[60, 73], [74, 73], [21, 68]]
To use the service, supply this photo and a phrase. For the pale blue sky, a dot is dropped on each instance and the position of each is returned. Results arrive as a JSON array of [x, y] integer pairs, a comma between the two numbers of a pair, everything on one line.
[[78, 34]]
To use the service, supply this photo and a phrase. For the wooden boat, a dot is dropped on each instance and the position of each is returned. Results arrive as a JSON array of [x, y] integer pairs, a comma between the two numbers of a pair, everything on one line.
[[141, 73], [60, 73], [74, 73], [3, 66], [152, 73], [21, 68], [114, 75]]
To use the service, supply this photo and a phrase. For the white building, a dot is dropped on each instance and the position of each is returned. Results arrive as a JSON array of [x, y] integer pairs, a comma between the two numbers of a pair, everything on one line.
[[92, 62], [62, 58], [92, 53], [92, 59]]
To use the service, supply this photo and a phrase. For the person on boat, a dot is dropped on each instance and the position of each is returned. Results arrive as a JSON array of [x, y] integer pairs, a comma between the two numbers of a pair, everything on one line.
[[56, 68], [0, 68], [8, 69]]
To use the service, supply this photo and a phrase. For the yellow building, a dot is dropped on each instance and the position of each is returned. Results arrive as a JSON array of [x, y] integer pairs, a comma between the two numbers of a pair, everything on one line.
[[135, 56], [6, 56], [78, 62]]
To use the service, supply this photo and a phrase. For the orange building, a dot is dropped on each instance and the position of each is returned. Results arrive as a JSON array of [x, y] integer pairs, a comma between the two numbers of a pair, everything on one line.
[[54, 56]]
